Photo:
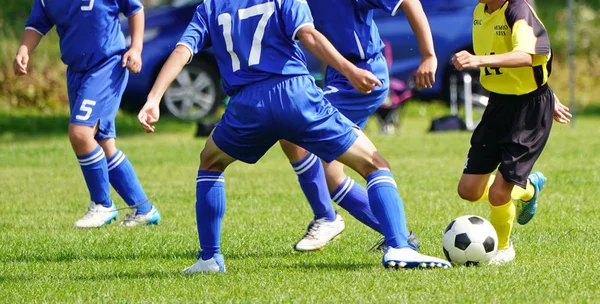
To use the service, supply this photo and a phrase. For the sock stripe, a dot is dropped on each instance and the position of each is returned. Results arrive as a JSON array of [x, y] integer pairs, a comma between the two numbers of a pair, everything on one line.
[[348, 184], [92, 159], [306, 165], [379, 180], [117, 161], [114, 157], [210, 179]]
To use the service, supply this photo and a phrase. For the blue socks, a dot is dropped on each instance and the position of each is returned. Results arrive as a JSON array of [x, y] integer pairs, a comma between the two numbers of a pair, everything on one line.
[[95, 171], [210, 208], [354, 198], [311, 177], [122, 177], [388, 208]]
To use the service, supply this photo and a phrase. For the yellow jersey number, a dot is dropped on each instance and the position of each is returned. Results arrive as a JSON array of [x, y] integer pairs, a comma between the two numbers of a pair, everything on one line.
[[496, 70]]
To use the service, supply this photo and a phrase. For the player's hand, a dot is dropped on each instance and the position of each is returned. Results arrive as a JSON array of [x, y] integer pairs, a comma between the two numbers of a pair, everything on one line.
[[20, 63], [561, 112], [425, 76], [363, 80], [464, 60], [148, 115], [133, 60]]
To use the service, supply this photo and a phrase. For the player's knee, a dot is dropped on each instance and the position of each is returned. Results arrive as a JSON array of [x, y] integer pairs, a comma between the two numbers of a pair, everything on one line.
[[468, 193], [375, 163], [210, 161], [109, 146], [499, 196], [293, 152], [79, 135]]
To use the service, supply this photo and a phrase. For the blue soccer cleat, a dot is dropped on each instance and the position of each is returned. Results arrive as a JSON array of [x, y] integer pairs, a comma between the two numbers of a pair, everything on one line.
[[214, 264], [400, 258], [527, 209], [133, 219]]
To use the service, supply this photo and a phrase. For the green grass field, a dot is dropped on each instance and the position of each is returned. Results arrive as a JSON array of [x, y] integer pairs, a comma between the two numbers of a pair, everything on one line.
[[44, 259]]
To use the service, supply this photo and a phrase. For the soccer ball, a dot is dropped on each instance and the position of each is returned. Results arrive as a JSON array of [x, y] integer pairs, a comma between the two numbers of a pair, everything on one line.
[[470, 240]]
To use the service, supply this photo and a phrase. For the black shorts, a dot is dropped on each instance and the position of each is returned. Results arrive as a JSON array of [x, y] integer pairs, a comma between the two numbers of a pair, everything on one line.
[[512, 133]]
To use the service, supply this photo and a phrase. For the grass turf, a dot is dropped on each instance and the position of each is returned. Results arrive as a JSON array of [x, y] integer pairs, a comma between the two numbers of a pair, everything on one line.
[[44, 259]]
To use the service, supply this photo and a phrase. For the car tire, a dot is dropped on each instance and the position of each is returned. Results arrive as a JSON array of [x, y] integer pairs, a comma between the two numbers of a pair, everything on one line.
[[195, 93]]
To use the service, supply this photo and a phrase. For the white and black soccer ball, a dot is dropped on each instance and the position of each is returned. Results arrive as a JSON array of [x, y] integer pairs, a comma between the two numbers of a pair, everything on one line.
[[470, 240]]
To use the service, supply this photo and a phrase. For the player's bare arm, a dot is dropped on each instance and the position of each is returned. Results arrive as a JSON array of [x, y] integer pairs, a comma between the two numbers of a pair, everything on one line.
[[29, 42], [425, 77], [150, 113], [133, 57], [515, 59], [362, 80]]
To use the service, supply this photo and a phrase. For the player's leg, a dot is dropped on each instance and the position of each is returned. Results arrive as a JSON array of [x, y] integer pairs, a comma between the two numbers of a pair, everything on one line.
[[538, 112], [82, 128], [210, 208], [242, 134], [330, 135], [121, 174], [124, 180], [349, 194], [357, 107], [326, 224], [387, 205]]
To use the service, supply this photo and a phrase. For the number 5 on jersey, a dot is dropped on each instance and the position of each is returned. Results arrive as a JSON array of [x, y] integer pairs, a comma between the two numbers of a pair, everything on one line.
[[266, 11]]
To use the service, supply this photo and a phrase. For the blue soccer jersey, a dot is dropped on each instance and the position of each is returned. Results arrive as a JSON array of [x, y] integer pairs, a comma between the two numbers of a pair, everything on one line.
[[253, 39], [89, 30], [349, 25]]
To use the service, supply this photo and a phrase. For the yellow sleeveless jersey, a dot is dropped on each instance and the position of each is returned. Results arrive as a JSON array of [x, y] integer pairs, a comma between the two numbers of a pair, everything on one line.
[[514, 27]]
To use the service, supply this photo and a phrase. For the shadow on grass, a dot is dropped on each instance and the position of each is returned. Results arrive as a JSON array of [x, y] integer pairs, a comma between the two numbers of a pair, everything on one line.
[[18, 126], [70, 257], [349, 266], [98, 276]]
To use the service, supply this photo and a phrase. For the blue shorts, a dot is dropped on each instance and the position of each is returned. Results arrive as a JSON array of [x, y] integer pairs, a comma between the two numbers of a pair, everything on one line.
[[353, 104], [290, 108], [95, 96]]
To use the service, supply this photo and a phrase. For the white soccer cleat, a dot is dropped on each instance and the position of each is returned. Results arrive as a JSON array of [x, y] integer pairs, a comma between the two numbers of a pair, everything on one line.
[[504, 256], [97, 216], [214, 264], [408, 258], [319, 233], [150, 218]]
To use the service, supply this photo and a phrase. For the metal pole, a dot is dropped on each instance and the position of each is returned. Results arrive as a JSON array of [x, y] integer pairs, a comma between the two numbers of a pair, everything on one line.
[[571, 61], [468, 87], [453, 95]]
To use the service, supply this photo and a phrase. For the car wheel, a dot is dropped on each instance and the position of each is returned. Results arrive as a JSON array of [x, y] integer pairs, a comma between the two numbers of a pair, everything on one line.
[[195, 93]]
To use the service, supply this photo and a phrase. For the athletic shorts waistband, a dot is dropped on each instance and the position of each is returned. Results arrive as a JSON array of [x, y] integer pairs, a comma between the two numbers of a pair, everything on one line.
[[268, 82], [536, 93]]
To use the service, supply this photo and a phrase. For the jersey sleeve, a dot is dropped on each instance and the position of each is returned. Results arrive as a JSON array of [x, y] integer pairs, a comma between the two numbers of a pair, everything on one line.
[[528, 33], [130, 7], [389, 6], [38, 19], [296, 15], [196, 36]]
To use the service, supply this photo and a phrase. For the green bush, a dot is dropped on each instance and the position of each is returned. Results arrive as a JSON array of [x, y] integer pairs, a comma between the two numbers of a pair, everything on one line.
[[44, 88]]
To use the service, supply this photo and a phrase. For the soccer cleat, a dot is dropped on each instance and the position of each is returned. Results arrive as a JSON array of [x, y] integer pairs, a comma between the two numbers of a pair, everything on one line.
[[319, 233], [150, 218], [408, 258], [97, 216], [214, 264], [504, 256], [526, 210], [413, 242]]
